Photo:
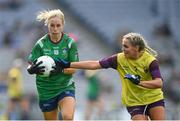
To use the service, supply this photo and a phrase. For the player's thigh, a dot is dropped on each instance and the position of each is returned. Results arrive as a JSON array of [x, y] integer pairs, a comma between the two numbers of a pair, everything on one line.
[[138, 112], [157, 113], [139, 117], [67, 106], [51, 115]]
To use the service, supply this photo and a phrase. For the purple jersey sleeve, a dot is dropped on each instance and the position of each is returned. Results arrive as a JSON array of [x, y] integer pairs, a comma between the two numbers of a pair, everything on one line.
[[109, 62], [154, 70]]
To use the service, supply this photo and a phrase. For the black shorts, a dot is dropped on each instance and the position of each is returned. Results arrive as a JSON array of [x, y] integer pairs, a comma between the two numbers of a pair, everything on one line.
[[144, 109]]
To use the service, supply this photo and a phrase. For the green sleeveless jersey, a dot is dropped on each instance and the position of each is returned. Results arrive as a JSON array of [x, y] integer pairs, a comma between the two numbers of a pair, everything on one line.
[[49, 87], [133, 95]]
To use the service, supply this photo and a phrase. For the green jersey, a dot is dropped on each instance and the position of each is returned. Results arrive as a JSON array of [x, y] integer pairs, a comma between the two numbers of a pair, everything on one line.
[[49, 87]]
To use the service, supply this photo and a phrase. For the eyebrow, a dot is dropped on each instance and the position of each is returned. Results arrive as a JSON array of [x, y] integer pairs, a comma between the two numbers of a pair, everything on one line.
[[52, 24]]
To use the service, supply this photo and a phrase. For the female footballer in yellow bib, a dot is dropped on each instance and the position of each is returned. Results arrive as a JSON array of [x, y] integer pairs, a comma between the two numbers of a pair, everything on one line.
[[140, 76]]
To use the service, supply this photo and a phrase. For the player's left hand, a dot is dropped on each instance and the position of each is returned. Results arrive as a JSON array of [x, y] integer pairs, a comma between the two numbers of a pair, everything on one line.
[[56, 70], [135, 79], [60, 63]]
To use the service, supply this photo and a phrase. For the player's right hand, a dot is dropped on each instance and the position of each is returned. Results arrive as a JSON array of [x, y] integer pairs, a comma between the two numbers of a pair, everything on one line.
[[34, 68]]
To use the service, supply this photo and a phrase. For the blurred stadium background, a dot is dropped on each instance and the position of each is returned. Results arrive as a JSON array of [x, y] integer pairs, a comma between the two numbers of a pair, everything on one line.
[[96, 25]]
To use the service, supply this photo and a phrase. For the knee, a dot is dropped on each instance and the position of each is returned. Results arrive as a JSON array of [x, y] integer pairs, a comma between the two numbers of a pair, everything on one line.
[[67, 116]]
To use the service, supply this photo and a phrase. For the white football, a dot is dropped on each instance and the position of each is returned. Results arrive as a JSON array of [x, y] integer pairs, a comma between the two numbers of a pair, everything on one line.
[[48, 63]]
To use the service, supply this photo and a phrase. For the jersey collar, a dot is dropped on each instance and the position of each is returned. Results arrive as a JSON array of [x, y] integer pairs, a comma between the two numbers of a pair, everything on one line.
[[58, 41]]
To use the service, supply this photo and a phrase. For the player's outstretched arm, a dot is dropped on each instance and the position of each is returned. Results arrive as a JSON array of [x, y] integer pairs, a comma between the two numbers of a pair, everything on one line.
[[91, 65]]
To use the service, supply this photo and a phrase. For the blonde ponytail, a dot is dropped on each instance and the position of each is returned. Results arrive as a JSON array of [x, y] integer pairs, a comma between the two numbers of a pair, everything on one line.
[[151, 51]]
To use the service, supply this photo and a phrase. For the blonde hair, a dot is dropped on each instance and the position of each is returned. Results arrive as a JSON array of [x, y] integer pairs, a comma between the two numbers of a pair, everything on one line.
[[138, 40], [46, 15]]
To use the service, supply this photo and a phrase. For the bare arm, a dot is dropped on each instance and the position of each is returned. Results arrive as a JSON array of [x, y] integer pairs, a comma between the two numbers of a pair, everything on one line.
[[69, 70], [91, 65], [153, 84], [108, 62]]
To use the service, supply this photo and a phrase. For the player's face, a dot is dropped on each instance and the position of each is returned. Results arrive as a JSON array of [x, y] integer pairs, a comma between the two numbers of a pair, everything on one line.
[[129, 50], [55, 26]]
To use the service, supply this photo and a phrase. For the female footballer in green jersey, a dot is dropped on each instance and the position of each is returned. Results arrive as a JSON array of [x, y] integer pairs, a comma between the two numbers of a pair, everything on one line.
[[140, 76], [57, 90]]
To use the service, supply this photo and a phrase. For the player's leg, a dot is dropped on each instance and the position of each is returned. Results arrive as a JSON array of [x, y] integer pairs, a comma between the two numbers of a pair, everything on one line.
[[67, 105], [49, 109], [138, 112], [157, 113], [139, 117], [157, 110], [51, 115]]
